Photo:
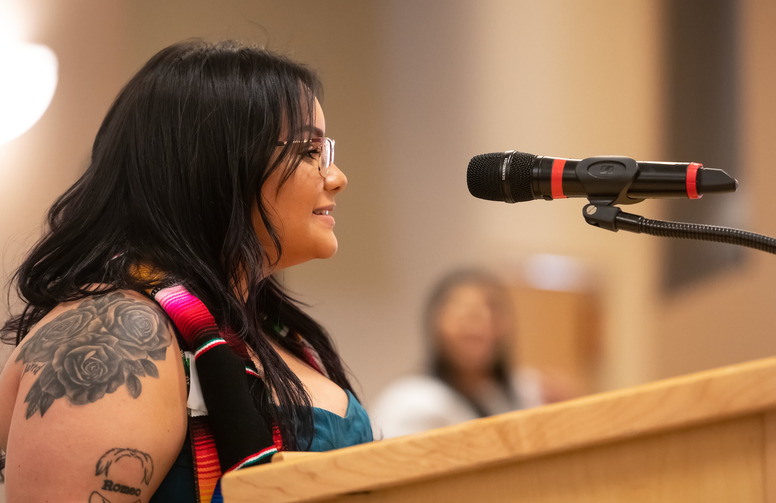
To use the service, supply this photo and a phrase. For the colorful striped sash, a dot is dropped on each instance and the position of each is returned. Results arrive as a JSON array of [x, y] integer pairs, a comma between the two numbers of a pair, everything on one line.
[[229, 432]]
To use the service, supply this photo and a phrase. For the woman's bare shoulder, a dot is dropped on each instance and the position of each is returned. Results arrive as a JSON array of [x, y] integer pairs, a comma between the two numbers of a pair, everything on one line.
[[100, 376], [87, 348]]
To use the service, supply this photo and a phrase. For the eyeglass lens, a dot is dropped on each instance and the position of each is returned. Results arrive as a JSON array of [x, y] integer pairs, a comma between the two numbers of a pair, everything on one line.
[[327, 156]]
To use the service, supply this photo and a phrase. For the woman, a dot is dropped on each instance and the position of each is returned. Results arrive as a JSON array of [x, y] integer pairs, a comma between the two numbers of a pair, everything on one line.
[[210, 172], [469, 325]]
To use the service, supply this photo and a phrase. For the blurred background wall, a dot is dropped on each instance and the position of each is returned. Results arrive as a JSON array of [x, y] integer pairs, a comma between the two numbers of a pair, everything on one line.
[[414, 89]]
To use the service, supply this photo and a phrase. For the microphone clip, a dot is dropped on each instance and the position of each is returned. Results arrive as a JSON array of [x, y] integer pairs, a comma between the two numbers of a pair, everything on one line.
[[607, 179], [611, 218]]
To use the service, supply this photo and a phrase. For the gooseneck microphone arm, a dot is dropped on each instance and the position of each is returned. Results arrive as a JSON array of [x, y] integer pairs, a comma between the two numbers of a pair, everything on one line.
[[613, 218]]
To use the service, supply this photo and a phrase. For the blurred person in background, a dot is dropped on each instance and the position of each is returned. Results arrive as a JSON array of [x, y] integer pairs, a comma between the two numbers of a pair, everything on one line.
[[469, 324]]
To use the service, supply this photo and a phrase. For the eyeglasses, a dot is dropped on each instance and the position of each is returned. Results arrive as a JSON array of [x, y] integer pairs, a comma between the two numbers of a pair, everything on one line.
[[325, 148]]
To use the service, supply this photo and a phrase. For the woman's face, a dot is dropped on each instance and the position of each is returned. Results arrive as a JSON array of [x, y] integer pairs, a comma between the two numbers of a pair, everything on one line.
[[301, 209], [468, 330]]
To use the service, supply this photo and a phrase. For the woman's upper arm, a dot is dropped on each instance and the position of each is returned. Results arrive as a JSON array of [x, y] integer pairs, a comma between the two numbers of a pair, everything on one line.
[[100, 413]]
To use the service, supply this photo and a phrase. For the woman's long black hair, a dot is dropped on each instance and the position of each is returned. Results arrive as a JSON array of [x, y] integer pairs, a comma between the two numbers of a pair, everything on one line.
[[175, 175], [440, 365]]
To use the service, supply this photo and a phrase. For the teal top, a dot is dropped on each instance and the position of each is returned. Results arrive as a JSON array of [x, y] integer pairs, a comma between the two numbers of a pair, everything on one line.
[[330, 431]]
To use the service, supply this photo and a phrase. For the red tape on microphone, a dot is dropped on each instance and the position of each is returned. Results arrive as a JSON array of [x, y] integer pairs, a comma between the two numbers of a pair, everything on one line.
[[557, 178], [692, 180]]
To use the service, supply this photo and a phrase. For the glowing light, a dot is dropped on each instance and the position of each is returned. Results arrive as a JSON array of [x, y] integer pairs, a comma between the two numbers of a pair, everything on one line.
[[557, 273], [27, 85]]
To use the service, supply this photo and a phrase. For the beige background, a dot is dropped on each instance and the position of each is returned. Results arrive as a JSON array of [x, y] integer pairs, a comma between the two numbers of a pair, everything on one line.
[[414, 89]]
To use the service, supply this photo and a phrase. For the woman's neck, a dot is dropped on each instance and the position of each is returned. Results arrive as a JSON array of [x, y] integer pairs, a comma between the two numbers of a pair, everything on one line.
[[471, 382]]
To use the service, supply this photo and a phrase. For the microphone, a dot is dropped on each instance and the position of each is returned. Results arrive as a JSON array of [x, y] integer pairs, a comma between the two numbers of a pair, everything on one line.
[[514, 176]]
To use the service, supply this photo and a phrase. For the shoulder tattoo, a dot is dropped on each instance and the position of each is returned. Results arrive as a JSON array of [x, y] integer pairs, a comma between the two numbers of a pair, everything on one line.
[[124, 472], [82, 354]]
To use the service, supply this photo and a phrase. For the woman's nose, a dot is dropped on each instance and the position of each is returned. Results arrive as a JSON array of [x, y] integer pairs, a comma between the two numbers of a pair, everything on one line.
[[336, 179]]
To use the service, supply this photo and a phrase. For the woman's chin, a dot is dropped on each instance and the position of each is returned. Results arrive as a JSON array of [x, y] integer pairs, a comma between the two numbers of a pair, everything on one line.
[[324, 252], [329, 250]]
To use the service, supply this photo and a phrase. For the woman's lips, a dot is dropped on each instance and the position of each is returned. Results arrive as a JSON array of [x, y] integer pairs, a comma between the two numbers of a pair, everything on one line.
[[325, 214], [324, 210]]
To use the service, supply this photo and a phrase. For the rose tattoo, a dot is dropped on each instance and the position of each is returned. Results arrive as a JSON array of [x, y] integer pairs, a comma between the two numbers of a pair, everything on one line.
[[84, 353]]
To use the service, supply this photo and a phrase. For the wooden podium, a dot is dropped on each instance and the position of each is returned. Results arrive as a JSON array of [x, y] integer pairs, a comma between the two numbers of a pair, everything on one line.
[[707, 437]]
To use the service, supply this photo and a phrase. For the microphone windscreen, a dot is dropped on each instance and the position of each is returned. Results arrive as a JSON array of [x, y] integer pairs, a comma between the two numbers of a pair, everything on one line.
[[484, 177]]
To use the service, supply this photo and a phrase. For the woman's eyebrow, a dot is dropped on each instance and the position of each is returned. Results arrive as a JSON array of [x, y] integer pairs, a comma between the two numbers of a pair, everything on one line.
[[315, 132]]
